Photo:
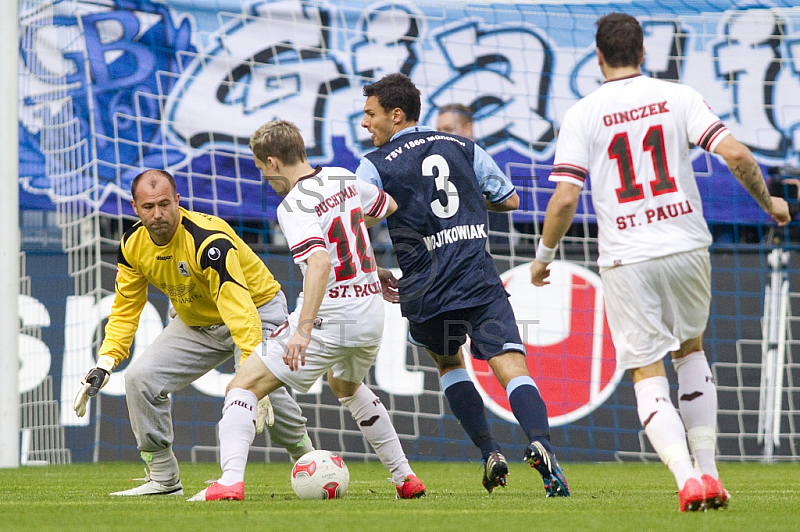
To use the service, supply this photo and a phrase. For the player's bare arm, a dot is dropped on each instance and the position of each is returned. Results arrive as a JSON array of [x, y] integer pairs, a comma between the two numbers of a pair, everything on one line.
[[745, 169], [557, 220], [509, 204], [314, 287]]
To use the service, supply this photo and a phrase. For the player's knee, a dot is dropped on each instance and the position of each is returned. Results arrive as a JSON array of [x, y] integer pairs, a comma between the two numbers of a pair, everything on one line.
[[135, 378], [446, 366], [448, 363], [342, 388], [239, 382], [689, 346], [510, 364]]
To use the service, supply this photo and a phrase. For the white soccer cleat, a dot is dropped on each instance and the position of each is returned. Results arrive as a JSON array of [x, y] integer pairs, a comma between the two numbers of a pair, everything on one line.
[[198, 497], [151, 487]]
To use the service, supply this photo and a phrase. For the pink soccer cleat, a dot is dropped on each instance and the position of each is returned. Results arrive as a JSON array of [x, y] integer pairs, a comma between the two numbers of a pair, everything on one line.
[[716, 495], [218, 492], [411, 488], [692, 497]]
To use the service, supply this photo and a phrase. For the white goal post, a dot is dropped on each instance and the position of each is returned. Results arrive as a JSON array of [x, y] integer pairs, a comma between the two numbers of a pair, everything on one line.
[[773, 348], [9, 239]]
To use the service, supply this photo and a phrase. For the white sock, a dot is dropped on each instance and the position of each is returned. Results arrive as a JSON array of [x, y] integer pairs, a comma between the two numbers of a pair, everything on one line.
[[237, 429], [663, 427], [697, 397], [373, 421]]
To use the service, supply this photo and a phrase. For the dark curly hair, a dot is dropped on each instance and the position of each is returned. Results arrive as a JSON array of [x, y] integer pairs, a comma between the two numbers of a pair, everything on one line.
[[396, 91]]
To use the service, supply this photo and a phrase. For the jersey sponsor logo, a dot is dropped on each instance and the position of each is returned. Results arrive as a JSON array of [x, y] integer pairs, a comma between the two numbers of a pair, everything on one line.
[[331, 202], [176, 290], [163, 257], [186, 300], [454, 234], [183, 269], [214, 253], [568, 345], [631, 115]]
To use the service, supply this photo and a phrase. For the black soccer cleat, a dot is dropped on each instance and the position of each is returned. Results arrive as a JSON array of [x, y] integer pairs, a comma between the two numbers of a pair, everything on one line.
[[555, 483], [495, 471]]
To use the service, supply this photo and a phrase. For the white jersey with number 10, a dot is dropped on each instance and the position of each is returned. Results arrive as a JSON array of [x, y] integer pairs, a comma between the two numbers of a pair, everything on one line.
[[325, 211], [632, 138]]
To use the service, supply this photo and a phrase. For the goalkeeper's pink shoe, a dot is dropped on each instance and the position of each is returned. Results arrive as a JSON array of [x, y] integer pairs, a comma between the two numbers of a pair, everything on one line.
[[716, 495], [411, 488], [218, 492]]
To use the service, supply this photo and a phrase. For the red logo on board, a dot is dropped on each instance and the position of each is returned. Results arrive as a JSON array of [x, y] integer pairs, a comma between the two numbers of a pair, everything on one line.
[[570, 355]]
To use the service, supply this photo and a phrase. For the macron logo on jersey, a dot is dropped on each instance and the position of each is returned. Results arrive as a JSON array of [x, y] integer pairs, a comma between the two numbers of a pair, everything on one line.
[[454, 234]]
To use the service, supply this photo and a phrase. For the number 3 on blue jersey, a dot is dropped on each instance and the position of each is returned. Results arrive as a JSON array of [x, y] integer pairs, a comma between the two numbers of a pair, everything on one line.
[[437, 162]]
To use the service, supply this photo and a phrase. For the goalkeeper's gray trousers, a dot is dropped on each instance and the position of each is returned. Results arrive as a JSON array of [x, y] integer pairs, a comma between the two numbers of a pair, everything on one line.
[[179, 356]]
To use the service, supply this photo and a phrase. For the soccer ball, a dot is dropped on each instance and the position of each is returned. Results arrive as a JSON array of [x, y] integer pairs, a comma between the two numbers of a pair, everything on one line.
[[320, 475]]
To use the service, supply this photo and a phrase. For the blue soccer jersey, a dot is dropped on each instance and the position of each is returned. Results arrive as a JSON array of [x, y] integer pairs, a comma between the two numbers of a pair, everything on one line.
[[439, 231]]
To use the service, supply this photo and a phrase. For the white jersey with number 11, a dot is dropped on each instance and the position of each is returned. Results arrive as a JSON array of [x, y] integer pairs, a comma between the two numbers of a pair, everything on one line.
[[631, 138]]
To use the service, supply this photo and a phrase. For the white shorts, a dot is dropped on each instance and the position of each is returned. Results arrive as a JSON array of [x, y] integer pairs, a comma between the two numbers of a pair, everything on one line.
[[349, 363], [656, 305]]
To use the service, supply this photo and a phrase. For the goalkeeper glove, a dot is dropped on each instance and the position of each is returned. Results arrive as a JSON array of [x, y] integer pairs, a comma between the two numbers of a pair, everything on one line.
[[92, 383], [265, 416]]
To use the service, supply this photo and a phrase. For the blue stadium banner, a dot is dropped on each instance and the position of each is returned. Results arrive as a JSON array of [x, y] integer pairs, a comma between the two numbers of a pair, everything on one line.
[[182, 85]]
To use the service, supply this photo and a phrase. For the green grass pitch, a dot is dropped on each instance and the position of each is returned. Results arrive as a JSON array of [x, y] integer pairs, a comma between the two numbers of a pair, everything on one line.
[[605, 496]]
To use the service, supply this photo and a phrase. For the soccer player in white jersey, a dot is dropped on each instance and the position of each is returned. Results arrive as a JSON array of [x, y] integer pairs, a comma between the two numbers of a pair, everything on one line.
[[338, 324], [631, 137]]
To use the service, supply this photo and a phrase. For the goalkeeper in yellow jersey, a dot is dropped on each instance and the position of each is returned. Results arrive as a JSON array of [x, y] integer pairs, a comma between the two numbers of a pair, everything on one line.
[[225, 301]]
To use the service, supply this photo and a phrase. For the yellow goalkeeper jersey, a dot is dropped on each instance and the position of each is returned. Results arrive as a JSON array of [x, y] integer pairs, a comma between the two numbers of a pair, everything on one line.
[[210, 275]]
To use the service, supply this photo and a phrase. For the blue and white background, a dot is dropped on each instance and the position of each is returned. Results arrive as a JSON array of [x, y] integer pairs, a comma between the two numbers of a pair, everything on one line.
[[182, 85]]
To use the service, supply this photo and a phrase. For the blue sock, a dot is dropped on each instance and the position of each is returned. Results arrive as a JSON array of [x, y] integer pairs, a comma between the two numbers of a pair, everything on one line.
[[467, 405], [529, 409]]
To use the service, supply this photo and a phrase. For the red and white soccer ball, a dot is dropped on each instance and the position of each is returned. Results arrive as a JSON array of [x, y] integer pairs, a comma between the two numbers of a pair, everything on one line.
[[320, 475]]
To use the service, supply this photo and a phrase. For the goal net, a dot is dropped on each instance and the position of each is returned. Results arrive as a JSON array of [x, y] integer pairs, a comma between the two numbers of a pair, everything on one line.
[[110, 89]]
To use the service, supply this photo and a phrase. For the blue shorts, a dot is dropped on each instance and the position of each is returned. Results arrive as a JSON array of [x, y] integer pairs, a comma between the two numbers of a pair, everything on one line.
[[492, 330]]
